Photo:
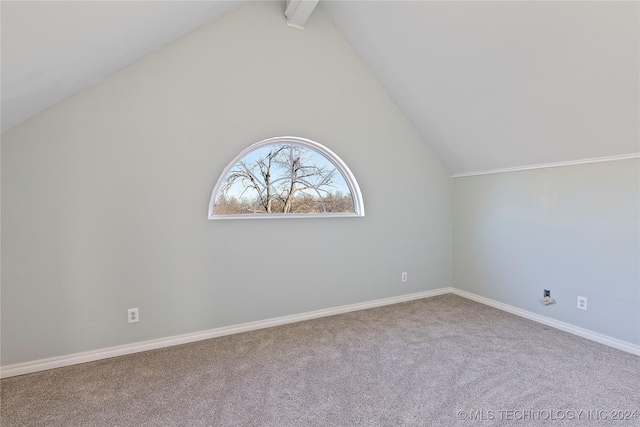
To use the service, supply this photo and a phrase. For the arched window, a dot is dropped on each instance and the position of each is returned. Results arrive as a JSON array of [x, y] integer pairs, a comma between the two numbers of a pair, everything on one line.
[[286, 177]]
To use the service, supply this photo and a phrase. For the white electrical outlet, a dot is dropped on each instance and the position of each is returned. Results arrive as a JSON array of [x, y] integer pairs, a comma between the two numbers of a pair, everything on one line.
[[404, 276], [582, 303], [132, 315]]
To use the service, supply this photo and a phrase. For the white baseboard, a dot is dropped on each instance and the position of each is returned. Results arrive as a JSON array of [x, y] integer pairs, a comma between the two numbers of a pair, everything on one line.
[[105, 353], [563, 326]]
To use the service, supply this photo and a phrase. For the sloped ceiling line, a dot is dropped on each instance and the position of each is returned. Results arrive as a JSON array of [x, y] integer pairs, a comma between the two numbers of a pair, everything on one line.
[[53, 49], [488, 85], [495, 85]]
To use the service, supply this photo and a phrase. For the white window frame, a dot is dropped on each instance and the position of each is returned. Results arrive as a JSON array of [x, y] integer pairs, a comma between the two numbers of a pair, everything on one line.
[[354, 188]]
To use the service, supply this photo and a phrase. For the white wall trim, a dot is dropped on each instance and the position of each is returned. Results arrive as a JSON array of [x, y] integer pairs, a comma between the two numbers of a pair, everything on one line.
[[551, 165], [105, 353], [563, 326]]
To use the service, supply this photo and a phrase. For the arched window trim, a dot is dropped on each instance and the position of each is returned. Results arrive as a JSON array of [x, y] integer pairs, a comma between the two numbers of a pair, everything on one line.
[[354, 188]]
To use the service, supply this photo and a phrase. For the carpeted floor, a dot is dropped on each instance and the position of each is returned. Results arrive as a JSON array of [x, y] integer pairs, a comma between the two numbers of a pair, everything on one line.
[[441, 361]]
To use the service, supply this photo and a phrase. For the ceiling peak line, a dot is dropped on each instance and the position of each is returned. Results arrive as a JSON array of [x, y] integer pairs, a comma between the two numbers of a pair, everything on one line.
[[299, 11]]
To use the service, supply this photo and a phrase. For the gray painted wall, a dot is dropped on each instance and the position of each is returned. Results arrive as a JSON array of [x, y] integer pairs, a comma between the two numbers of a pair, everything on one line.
[[105, 195], [573, 230]]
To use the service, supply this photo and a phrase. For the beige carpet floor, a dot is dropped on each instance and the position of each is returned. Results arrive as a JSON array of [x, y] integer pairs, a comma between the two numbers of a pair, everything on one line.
[[441, 361]]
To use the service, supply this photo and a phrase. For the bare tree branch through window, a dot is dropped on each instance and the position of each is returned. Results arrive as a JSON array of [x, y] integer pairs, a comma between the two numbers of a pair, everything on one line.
[[284, 178]]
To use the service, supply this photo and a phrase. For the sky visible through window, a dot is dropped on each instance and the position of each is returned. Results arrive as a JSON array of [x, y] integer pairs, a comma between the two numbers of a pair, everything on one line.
[[283, 178]]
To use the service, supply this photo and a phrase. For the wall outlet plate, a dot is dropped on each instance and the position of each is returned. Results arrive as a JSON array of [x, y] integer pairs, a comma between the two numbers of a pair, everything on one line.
[[132, 315], [582, 303], [548, 300]]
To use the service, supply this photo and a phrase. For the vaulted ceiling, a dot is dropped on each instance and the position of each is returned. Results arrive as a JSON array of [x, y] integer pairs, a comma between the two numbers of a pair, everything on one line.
[[489, 85]]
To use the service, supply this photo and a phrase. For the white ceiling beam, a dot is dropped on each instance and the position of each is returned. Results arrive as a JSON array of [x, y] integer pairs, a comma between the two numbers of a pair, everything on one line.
[[298, 11]]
